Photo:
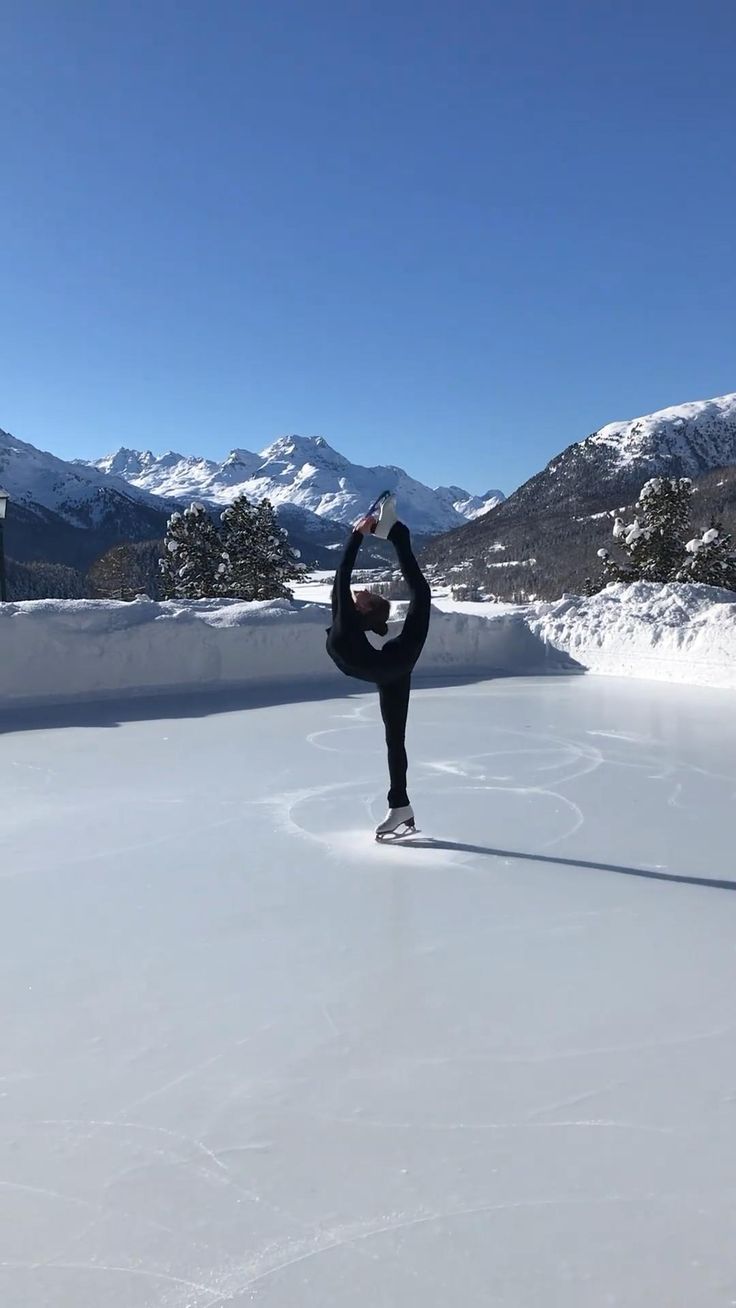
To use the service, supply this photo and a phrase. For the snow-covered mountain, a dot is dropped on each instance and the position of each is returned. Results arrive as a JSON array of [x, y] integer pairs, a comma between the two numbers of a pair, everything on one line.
[[683, 440], [304, 472], [68, 513], [469, 506], [180, 476], [78, 493], [549, 528]]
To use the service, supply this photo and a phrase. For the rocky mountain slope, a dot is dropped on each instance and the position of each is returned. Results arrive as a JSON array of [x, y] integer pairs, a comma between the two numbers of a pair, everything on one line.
[[67, 513], [543, 538]]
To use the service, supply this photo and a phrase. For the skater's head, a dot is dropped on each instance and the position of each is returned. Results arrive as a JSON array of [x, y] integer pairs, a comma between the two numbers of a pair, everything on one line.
[[373, 611]]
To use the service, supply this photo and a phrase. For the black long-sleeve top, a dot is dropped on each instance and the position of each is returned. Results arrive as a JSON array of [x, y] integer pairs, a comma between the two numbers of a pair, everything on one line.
[[347, 643]]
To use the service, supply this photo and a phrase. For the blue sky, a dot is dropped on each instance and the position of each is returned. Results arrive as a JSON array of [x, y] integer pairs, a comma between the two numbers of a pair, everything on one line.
[[453, 236]]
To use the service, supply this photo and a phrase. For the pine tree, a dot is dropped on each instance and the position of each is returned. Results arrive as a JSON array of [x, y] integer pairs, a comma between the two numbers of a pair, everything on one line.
[[117, 574], [653, 543], [711, 558], [261, 562], [194, 565], [238, 540]]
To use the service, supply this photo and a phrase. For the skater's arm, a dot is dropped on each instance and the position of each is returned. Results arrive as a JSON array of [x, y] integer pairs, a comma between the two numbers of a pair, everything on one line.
[[342, 599]]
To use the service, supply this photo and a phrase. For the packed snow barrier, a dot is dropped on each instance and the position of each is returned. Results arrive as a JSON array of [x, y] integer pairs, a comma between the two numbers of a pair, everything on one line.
[[57, 650], [68, 649], [683, 633]]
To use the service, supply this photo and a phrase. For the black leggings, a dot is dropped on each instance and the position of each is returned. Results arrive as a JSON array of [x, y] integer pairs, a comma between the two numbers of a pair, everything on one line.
[[394, 700]]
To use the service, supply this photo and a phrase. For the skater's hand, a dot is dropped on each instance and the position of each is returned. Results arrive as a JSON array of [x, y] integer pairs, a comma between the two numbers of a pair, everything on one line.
[[366, 526]]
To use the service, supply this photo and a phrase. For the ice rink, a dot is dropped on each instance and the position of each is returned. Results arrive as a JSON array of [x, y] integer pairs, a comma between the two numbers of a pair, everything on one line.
[[250, 1057]]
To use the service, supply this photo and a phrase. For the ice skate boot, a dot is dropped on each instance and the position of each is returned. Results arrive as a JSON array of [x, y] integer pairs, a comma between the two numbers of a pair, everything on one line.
[[383, 511], [398, 823]]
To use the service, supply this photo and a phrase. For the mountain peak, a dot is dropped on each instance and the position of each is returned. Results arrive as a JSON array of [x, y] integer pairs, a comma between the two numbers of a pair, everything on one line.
[[691, 437], [304, 472], [295, 444]]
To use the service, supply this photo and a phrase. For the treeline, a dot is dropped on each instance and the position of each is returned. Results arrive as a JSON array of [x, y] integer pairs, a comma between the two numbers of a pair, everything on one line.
[[246, 555]]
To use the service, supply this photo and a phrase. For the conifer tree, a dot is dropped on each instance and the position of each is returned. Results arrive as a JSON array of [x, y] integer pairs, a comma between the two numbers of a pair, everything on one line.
[[117, 574], [261, 563], [194, 565], [711, 558], [653, 544]]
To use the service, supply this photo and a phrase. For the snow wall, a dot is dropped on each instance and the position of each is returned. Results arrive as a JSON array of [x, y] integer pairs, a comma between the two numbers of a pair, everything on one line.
[[56, 650]]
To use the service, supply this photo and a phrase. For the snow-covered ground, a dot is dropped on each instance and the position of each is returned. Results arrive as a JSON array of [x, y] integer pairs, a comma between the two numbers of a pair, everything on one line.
[[251, 1058]]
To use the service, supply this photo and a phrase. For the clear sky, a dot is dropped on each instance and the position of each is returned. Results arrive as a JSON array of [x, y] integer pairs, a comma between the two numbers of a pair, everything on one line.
[[447, 234]]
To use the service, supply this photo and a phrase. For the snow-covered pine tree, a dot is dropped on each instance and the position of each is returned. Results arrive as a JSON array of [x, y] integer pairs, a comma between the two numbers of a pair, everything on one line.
[[238, 542], [261, 561], [711, 558], [654, 542], [278, 562], [194, 565]]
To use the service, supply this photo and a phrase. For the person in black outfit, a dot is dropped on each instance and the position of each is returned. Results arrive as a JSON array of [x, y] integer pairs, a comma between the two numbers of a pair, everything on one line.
[[390, 667]]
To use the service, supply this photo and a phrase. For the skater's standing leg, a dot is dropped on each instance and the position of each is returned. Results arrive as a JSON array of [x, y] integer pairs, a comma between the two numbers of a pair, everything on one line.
[[394, 699]]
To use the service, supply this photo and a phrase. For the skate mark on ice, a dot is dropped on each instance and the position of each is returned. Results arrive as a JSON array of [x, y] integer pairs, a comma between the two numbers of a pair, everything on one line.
[[629, 737], [574, 808], [148, 1273], [329, 1019], [669, 1042], [315, 739], [284, 805], [179, 834], [573, 1100], [184, 1076], [570, 754], [42, 1192], [349, 1239], [253, 1147], [602, 1124], [223, 1174], [359, 718], [116, 1125]]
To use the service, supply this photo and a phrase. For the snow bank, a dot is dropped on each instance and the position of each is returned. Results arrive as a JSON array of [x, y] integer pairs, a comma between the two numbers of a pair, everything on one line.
[[65, 649], [681, 633]]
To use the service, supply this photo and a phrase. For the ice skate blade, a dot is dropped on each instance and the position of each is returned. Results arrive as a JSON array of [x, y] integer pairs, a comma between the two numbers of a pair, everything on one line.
[[375, 509], [402, 832]]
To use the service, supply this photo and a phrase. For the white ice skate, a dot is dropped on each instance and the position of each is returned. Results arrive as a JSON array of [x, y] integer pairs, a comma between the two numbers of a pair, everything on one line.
[[398, 823], [384, 511]]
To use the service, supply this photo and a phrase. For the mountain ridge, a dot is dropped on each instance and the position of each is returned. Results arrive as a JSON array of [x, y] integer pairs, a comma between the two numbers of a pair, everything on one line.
[[303, 471]]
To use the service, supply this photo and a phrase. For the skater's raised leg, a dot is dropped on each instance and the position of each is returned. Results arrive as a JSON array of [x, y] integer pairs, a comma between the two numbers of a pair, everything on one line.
[[401, 653], [352, 617]]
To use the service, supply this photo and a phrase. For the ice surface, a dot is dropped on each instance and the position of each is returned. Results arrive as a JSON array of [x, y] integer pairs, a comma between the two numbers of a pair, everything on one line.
[[250, 1057]]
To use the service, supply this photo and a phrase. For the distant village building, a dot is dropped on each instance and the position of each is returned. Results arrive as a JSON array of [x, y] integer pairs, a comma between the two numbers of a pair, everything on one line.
[[466, 592]]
